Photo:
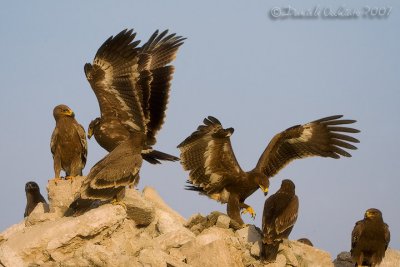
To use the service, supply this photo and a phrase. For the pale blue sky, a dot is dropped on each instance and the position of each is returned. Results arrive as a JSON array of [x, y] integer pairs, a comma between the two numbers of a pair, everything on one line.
[[255, 74]]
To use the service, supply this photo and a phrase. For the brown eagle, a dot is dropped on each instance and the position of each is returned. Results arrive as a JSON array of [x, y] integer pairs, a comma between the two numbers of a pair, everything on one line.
[[305, 241], [369, 239], [108, 178], [33, 197], [68, 143], [279, 217], [115, 77], [214, 171]]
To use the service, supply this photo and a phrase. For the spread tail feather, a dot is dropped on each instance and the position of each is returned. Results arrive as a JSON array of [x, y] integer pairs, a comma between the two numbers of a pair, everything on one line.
[[154, 156], [80, 206]]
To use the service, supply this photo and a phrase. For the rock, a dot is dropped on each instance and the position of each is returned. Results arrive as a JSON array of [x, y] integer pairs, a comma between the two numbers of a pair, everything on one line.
[[212, 234], [40, 214], [285, 249], [281, 262], [256, 249], [392, 258], [62, 193], [343, 259], [249, 234], [174, 239], [56, 241], [308, 255], [216, 253], [19, 227], [166, 222], [223, 221], [147, 233], [150, 194], [155, 257], [138, 209]]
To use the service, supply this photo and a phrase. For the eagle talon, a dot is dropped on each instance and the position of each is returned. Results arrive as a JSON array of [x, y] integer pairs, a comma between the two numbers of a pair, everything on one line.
[[249, 210], [55, 180]]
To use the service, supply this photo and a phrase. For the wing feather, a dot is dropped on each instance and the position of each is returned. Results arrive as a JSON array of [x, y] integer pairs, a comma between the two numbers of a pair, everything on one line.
[[316, 138], [208, 155], [113, 78], [160, 50], [53, 141], [117, 169], [82, 138], [288, 218], [356, 233]]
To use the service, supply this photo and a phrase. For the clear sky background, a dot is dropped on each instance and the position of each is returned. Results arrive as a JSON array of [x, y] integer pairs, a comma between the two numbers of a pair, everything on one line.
[[254, 73]]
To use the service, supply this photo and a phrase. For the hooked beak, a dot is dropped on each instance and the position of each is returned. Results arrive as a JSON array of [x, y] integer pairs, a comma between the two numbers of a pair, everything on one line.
[[70, 113], [264, 189], [89, 133]]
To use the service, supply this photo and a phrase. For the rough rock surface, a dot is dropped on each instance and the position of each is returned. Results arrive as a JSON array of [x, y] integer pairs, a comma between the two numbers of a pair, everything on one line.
[[391, 259], [147, 233]]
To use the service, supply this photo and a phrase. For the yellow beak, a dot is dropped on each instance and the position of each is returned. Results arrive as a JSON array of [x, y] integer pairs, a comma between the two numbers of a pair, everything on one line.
[[89, 133], [264, 189]]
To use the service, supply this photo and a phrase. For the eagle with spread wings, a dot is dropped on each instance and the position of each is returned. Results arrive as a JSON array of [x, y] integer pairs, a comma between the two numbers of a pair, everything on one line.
[[145, 72], [131, 84], [214, 171]]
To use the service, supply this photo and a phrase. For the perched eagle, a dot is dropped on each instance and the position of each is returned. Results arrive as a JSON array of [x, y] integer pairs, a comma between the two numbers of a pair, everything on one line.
[[279, 217], [369, 239], [33, 197], [305, 241], [214, 171], [108, 178], [68, 143], [120, 70]]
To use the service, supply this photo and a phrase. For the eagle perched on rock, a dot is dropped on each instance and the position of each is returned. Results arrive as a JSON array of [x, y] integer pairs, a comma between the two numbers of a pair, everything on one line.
[[68, 143], [279, 217], [33, 197], [115, 77], [214, 171], [370, 239], [131, 84]]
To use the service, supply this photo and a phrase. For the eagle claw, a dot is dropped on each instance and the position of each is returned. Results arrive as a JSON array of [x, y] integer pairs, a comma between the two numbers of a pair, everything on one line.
[[249, 210]]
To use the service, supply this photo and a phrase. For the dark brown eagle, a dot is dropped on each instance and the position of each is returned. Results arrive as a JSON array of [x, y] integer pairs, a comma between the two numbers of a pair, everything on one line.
[[214, 171], [143, 71], [68, 143], [369, 239], [305, 241], [279, 217], [120, 86], [108, 178], [33, 197]]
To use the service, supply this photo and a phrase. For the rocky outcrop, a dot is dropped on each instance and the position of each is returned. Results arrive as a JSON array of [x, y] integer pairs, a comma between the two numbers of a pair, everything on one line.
[[147, 232], [391, 259]]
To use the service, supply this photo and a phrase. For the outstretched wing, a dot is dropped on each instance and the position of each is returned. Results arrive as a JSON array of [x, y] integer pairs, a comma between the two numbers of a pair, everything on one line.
[[155, 78], [207, 153], [323, 137], [113, 77]]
